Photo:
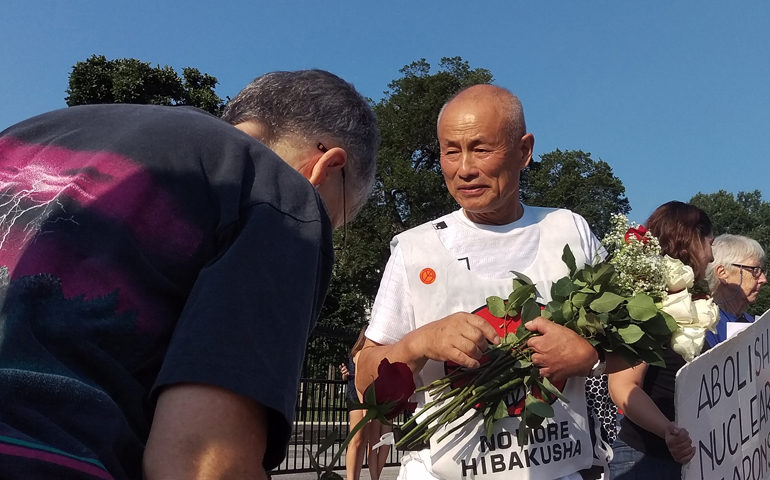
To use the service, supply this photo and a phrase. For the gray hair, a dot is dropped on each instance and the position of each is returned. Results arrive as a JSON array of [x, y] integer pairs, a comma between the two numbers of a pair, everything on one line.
[[315, 106], [729, 249], [508, 101]]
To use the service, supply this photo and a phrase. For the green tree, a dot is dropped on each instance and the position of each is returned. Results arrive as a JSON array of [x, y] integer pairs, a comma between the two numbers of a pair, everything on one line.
[[573, 180], [743, 214], [128, 80]]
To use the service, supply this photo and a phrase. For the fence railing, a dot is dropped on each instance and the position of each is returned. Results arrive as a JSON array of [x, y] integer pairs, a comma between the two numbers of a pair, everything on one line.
[[321, 409]]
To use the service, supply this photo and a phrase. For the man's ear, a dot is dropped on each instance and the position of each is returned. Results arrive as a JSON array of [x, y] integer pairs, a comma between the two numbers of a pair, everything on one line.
[[321, 167], [527, 149]]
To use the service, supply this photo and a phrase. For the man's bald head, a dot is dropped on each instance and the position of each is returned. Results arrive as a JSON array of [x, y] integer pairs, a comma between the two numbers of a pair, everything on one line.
[[509, 104]]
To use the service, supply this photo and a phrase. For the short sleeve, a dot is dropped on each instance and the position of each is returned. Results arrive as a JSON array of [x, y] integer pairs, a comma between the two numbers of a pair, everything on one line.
[[247, 320], [392, 313], [591, 245]]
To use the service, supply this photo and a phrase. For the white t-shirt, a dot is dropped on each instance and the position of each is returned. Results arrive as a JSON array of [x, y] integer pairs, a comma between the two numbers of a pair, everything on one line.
[[490, 251]]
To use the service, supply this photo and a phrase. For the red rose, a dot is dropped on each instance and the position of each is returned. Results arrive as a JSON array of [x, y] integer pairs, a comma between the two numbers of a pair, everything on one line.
[[638, 233], [391, 390]]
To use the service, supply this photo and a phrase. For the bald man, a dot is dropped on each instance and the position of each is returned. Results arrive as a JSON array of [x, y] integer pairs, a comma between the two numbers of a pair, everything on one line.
[[431, 305]]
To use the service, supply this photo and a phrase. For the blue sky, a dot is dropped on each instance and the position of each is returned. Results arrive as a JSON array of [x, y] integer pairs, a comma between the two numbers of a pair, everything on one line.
[[673, 95]]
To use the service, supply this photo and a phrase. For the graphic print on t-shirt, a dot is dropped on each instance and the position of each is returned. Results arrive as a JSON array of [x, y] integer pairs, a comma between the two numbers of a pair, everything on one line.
[[77, 321], [46, 194], [517, 399]]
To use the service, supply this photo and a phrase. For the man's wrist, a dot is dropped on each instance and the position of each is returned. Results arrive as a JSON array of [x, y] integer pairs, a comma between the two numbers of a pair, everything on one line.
[[415, 352], [598, 368]]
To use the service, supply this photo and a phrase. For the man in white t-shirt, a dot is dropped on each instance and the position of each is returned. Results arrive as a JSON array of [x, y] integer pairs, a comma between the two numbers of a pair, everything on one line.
[[440, 271]]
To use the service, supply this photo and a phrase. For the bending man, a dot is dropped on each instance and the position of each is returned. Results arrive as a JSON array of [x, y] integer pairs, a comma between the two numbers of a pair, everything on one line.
[[162, 256]]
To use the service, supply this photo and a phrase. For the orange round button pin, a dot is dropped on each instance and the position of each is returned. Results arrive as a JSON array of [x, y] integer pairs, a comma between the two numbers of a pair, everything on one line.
[[428, 276]]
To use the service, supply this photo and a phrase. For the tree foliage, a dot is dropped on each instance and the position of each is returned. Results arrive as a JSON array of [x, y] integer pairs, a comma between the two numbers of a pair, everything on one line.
[[409, 188], [573, 180], [743, 214], [128, 80]]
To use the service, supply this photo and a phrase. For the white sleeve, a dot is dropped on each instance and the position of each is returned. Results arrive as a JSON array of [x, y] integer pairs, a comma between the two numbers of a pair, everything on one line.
[[591, 245], [392, 313]]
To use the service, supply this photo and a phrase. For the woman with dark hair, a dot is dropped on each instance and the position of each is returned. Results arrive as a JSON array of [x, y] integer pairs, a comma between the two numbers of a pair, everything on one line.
[[367, 436], [649, 444]]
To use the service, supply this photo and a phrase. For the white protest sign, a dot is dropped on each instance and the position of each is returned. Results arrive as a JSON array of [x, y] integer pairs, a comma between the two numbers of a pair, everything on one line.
[[723, 400]]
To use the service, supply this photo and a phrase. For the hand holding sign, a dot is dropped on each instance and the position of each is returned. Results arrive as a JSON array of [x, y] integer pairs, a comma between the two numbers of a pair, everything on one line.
[[679, 443]]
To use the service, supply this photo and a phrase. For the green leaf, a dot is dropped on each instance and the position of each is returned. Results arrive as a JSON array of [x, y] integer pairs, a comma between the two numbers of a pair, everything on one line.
[[569, 259], [556, 314], [314, 462], [604, 274], [584, 323], [567, 311], [529, 311], [522, 436], [563, 288], [651, 357], [521, 294], [642, 307], [328, 442], [511, 338], [534, 420], [580, 299], [631, 333], [670, 322], [539, 407], [522, 363], [607, 302], [522, 277], [657, 325], [595, 322], [501, 411], [489, 423], [496, 306], [547, 385]]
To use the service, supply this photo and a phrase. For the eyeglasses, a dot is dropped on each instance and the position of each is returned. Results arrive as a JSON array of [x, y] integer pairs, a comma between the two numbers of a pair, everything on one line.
[[322, 148], [756, 272]]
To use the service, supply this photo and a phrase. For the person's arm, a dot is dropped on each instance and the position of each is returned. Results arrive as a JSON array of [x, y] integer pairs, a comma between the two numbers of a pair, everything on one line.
[[627, 393], [205, 432], [460, 338]]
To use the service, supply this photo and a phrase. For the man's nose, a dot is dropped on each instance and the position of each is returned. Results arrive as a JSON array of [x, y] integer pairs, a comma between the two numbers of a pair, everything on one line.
[[467, 165]]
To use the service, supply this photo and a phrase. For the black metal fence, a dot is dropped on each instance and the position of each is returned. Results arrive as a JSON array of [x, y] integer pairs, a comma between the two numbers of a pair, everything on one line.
[[321, 409]]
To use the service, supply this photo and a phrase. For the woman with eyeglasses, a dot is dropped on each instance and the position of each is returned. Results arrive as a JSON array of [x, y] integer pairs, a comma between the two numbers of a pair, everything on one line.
[[735, 277]]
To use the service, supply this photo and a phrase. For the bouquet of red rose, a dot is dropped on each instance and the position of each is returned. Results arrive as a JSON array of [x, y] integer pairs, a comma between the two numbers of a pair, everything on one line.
[[618, 304]]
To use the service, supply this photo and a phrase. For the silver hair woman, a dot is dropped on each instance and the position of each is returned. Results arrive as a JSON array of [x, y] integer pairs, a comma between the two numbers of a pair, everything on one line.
[[735, 277]]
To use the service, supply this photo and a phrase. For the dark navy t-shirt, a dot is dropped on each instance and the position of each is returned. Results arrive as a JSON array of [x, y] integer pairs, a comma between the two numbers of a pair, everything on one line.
[[144, 246]]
